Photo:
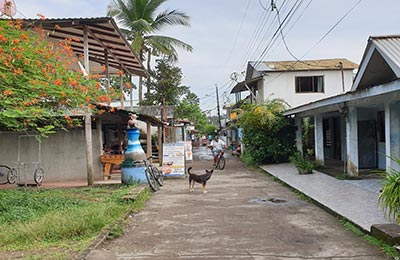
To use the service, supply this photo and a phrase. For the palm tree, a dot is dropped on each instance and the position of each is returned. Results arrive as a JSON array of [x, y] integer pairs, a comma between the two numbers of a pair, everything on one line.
[[140, 22]]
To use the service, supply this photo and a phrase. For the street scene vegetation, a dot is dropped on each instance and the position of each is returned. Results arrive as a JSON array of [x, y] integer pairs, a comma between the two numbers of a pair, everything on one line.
[[40, 93]]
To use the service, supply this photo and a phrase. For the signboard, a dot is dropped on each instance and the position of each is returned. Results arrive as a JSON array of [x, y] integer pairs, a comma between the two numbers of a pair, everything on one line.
[[188, 151], [174, 160]]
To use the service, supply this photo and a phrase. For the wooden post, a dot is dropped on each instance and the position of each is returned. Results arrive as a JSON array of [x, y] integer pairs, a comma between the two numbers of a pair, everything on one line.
[[148, 141], [89, 145], [160, 143]]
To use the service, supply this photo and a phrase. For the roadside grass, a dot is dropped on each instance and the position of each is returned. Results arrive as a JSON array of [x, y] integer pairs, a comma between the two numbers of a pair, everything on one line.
[[55, 224], [388, 249]]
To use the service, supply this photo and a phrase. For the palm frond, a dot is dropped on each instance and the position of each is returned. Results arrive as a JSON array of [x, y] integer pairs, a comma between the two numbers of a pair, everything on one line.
[[173, 17]]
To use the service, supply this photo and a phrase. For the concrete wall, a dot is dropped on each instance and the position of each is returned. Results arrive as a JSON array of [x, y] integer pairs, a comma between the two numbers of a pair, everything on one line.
[[282, 85], [63, 155]]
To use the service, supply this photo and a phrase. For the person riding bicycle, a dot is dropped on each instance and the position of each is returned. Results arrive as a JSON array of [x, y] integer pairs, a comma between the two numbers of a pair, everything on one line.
[[217, 146]]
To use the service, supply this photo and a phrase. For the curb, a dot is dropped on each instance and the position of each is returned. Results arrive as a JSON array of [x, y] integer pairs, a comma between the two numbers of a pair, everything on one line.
[[99, 240]]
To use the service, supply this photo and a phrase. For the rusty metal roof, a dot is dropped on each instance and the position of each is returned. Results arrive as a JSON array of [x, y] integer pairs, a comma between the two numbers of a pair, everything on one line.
[[304, 65], [103, 36]]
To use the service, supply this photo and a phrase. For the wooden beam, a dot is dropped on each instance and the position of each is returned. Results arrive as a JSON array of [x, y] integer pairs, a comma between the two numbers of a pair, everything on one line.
[[86, 49]]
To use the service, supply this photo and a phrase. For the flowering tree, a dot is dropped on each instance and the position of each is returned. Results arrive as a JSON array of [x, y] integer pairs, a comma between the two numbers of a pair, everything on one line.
[[38, 89]]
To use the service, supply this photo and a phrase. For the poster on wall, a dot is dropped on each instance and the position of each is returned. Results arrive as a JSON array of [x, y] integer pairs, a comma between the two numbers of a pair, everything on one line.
[[188, 151], [174, 160]]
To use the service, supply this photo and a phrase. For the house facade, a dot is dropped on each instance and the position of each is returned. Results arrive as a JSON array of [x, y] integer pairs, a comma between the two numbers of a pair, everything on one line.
[[360, 128], [296, 82]]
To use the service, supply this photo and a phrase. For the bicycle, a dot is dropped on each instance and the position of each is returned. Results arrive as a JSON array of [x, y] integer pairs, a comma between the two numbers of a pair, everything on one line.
[[220, 161], [153, 175], [7, 175]]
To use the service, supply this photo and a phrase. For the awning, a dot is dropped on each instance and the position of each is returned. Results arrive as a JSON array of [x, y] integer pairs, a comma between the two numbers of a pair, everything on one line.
[[241, 86], [105, 41]]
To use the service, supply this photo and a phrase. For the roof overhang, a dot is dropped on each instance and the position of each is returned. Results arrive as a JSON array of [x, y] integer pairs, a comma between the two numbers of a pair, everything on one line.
[[241, 86], [382, 93], [106, 43]]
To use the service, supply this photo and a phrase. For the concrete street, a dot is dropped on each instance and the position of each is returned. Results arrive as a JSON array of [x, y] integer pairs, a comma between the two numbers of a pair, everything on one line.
[[244, 215]]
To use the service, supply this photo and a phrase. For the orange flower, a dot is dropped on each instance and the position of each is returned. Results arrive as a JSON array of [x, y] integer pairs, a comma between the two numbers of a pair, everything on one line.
[[58, 82], [2, 38], [43, 95], [100, 112], [103, 68], [15, 41], [120, 73], [87, 99], [7, 92], [128, 85], [63, 94], [98, 85]]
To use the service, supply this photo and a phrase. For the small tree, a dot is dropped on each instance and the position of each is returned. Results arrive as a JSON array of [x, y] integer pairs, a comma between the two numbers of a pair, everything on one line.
[[38, 89], [267, 135]]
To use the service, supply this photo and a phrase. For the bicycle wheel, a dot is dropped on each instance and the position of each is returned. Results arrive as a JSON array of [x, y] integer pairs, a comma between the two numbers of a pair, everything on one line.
[[158, 175], [151, 180], [38, 176], [12, 176], [3, 174], [221, 163]]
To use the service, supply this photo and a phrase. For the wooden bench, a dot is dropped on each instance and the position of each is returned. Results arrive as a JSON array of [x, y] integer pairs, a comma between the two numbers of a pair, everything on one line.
[[108, 162]]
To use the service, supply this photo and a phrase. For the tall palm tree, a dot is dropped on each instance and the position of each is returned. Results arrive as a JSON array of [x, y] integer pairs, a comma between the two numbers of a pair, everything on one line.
[[140, 21]]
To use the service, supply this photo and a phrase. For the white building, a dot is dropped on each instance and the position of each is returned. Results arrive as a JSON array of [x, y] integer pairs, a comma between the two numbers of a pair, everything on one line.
[[297, 82], [362, 127]]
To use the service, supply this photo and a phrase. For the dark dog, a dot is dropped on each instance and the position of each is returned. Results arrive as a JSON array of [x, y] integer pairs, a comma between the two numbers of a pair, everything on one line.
[[203, 178]]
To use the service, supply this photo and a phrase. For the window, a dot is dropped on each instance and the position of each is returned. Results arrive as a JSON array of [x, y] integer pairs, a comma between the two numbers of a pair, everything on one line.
[[313, 84]]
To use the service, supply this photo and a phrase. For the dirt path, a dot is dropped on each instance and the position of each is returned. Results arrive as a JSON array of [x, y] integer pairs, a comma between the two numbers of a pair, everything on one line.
[[244, 215]]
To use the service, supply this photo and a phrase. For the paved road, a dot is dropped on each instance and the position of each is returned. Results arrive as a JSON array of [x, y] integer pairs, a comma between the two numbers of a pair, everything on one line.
[[245, 215]]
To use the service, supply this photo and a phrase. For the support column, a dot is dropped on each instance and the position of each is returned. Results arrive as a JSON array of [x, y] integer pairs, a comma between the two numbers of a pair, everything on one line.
[[352, 142], [395, 134], [160, 144], [299, 141], [148, 141], [387, 137], [89, 151], [319, 139]]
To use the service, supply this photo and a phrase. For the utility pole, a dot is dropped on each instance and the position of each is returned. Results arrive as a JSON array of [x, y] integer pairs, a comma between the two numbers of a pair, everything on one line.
[[219, 114]]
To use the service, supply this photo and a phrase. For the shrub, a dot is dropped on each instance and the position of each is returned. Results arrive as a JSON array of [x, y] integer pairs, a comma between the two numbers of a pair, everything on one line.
[[303, 165], [389, 198], [268, 136]]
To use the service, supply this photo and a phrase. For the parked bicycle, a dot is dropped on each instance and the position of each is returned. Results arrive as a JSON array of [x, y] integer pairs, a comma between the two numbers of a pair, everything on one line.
[[153, 175], [7, 175]]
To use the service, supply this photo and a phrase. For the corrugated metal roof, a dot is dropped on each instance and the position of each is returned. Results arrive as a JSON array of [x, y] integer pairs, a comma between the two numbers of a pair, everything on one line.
[[103, 36], [305, 65], [390, 46]]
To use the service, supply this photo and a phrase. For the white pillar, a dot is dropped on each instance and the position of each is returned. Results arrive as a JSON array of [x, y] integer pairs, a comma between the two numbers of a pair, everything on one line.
[[319, 139], [395, 133], [299, 143], [352, 141], [148, 141], [89, 147], [387, 136]]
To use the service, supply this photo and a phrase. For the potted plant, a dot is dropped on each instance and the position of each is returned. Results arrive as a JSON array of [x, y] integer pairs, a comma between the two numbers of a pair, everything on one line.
[[303, 165]]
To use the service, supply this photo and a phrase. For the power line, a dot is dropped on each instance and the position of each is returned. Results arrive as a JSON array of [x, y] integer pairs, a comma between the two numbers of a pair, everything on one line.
[[322, 38], [238, 33]]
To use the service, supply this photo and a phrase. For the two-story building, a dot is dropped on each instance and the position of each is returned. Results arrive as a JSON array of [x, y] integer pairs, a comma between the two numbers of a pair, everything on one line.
[[297, 82]]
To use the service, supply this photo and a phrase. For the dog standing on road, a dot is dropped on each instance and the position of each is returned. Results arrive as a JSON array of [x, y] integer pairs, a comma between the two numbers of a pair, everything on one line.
[[203, 178]]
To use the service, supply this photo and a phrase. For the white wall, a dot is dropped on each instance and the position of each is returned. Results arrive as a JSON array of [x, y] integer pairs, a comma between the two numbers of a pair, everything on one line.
[[282, 85], [63, 155]]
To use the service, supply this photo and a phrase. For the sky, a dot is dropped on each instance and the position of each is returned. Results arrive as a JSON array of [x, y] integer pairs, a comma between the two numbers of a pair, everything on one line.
[[226, 34]]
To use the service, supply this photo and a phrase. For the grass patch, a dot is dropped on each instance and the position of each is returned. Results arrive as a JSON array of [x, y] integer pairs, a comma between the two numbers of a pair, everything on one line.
[[55, 224], [388, 249]]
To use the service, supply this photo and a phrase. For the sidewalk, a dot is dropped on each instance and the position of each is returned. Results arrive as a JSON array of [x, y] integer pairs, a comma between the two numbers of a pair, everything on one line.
[[355, 200]]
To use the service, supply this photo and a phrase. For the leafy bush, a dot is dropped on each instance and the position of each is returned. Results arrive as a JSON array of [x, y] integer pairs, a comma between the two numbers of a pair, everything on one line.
[[268, 136], [303, 165], [389, 199]]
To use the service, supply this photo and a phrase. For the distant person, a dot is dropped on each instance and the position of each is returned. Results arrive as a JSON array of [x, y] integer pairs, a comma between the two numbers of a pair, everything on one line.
[[217, 146]]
